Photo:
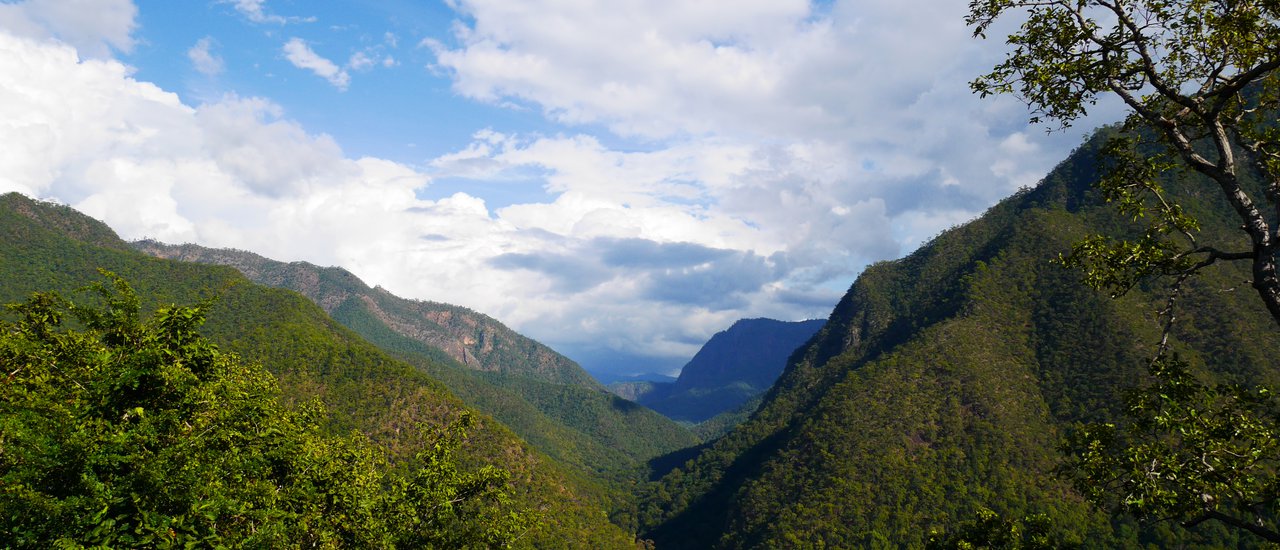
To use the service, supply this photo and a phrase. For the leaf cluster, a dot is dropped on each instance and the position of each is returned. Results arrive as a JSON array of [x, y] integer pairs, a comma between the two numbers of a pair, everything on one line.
[[1166, 246], [119, 431], [989, 530], [1191, 452]]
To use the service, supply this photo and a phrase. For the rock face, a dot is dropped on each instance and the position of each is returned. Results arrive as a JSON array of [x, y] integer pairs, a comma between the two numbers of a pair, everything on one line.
[[733, 367], [473, 339]]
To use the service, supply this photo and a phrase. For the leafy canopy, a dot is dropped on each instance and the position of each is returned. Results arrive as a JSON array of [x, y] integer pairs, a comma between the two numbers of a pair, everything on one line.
[[119, 431]]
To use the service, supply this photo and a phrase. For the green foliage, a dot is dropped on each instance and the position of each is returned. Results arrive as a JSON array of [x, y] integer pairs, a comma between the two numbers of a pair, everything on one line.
[[989, 530], [1199, 80], [1067, 52], [1191, 452], [141, 433], [1165, 247]]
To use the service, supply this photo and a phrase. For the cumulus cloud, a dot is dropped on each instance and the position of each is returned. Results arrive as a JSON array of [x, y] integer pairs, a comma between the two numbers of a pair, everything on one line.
[[718, 160], [302, 56], [360, 61], [94, 27], [203, 59], [872, 96], [237, 172]]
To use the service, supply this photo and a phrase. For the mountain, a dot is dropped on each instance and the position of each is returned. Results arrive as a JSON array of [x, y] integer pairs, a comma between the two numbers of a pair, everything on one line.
[[543, 396], [734, 366], [473, 339], [50, 247], [943, 381]]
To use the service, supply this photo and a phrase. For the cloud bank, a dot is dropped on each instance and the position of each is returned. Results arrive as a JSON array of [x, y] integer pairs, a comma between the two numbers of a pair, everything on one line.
[[716, 160]]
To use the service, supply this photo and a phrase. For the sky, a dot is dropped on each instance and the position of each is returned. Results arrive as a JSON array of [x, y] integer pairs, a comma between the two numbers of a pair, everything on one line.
[[617, 179]]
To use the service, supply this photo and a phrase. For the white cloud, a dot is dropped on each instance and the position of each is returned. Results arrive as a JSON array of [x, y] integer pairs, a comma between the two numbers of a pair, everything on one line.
[[203, 59], [360, 61], [860, 84], [237, 173], [302, 56], [762, 153], [254, 11], [94, 27]]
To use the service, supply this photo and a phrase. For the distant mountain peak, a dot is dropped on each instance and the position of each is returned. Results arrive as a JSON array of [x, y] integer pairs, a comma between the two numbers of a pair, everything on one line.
[[734, 366]]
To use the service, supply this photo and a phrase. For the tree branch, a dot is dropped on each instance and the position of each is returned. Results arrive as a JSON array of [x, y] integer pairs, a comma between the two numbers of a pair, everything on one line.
[[1258, 530]]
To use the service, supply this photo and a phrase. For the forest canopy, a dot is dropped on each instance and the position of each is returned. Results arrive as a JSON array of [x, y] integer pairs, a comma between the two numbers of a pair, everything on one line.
[[123, 431]]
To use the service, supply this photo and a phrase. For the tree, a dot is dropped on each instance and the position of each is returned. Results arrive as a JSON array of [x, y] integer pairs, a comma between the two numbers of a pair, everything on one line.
[[1201, 75], [1199, 79], [1194, 452], [132, 432]]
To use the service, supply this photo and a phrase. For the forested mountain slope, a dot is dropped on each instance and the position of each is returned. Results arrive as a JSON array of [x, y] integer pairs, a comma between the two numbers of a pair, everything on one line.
[[49, 247], [735, 365], [473, 339], [942, 382], [543, 396]]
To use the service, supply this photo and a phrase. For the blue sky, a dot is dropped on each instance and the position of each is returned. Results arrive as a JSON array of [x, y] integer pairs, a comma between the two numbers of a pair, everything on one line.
[[393, 107], [617, 179]]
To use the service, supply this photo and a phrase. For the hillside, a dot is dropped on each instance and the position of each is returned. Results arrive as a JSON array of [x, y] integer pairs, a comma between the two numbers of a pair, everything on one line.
[[543, 396], [472, 339], [941, 384], [735, 365], [49, 247]]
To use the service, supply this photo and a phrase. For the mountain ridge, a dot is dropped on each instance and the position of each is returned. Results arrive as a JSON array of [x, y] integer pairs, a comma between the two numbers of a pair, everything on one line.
[[941, 383], [471, 338], [545, 397]]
